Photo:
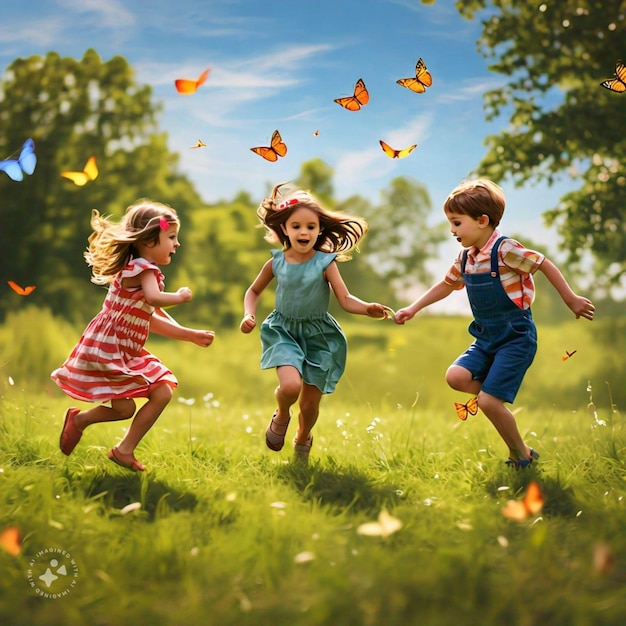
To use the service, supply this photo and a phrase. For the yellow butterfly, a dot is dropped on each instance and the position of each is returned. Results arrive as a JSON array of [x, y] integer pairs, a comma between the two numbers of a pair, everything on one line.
[[396, 154], [277, 148], [618, 85], [200, 144], [89, 173], [469, 408], [422, 78], [360, 98]]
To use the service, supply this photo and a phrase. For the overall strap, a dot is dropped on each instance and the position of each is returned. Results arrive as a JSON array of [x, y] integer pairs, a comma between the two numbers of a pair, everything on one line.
[[464, 260], [494, 256]]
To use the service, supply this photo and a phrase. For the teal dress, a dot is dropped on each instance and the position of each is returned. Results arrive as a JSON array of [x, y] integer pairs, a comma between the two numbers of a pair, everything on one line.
[[300, 331]]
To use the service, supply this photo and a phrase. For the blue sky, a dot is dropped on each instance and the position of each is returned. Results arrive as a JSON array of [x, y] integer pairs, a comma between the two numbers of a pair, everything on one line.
[[278, 64]]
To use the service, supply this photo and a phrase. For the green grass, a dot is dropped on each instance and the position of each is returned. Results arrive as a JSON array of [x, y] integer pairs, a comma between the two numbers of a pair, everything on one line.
[[224, 522]]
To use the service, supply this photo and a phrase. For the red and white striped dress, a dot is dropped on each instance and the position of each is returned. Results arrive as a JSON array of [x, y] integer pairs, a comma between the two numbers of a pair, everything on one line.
[[110, 361]]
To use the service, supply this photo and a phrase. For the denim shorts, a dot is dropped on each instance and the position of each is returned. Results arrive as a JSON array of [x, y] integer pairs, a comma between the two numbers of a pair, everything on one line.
[[501, 354]]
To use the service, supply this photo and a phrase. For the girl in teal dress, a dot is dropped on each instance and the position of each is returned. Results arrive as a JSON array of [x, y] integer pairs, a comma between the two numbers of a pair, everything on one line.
[[299, 337]]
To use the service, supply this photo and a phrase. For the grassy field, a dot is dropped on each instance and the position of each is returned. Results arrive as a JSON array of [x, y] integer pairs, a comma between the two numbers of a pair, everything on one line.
[[220, 530]]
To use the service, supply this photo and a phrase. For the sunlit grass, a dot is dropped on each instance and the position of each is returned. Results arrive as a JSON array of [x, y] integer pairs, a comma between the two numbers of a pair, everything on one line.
[[220, 530]]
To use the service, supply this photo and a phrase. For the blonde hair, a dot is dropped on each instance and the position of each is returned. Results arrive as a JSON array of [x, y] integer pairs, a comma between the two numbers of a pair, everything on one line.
[[339, 232], [112, 245], [475, 198]]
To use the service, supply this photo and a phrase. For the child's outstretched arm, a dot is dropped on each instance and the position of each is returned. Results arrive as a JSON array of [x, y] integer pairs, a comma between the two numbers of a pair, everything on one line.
[[251, 297], [437, 292], [157, 298], [164, 324], [346, 300], [579, 305]]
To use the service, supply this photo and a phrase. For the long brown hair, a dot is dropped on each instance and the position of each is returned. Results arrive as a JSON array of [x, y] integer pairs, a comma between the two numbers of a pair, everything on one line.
[[339, 232], [112, 245]]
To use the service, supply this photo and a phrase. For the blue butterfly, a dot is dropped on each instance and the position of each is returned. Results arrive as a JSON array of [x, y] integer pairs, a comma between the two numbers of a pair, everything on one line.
[[24, 163]]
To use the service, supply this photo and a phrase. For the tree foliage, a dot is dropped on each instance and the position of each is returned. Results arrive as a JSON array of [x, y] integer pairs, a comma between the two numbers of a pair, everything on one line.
[[400, 241], [75, 109], [561, 121]]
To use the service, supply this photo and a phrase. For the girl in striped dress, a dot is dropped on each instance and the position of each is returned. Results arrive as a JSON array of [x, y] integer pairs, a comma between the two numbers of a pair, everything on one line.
[[110, 364]]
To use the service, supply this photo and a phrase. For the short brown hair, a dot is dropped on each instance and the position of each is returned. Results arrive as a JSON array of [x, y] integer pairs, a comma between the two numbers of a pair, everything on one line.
[[475, 198]]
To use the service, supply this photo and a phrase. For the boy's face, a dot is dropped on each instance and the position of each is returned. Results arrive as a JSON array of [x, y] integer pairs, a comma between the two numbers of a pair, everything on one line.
[[470, 231]]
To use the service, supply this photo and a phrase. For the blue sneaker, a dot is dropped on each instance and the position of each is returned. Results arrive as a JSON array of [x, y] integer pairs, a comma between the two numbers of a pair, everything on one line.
[[524, 463]]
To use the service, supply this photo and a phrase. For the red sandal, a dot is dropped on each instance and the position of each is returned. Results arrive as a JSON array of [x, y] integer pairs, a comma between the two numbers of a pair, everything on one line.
[[71, 434], [126, 460]]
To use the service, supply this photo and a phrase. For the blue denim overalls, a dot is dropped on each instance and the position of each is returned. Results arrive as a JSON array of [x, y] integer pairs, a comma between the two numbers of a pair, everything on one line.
[[505, 335]]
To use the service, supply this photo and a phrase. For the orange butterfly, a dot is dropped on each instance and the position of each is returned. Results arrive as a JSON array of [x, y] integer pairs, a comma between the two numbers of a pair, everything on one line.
[[10, 540], [276, 149], [89, 173], [22, 291], [422, 79], [200, 144], [360, 98], [187, 86], [316, 133], [618, 85], [530, 504], [568, 355], [469, 408], [396, 154]]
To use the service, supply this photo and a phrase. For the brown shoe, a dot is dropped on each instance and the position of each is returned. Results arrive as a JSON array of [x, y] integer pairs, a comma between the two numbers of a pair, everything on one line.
[[275, 434]]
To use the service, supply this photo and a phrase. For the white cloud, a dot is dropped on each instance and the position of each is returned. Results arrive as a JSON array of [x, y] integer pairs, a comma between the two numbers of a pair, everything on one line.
[[109, 14]]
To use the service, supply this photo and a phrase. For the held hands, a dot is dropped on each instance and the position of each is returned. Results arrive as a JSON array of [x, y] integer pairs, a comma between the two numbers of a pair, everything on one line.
[[404, 315], [376, 310], [248, 323], [582, 307]]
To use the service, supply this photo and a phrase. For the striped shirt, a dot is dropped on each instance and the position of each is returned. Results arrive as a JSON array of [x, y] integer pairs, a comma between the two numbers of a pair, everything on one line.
[[516, 265]]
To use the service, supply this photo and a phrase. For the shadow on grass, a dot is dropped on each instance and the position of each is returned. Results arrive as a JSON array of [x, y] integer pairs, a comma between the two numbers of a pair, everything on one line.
[[155, 496], [558, 500], [345, 488]]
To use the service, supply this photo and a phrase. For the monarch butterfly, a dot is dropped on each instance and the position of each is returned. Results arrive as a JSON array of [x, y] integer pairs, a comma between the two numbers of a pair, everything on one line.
[[276, 149], [530, 504], [618, 85], [360, 98], [469, 408], [22, 291], [568, 355], [187, 86], [396, 154], [200, 144], [26, 162], [89, 173], [422, 78], [10, 540]]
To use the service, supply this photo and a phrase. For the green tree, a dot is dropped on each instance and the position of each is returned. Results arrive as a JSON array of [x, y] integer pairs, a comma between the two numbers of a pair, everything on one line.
[[75, 109], [316, 176], [399, 241], [562, 122]]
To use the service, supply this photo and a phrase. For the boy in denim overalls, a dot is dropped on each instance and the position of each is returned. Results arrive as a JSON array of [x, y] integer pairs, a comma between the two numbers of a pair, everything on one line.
[[497, 273]]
